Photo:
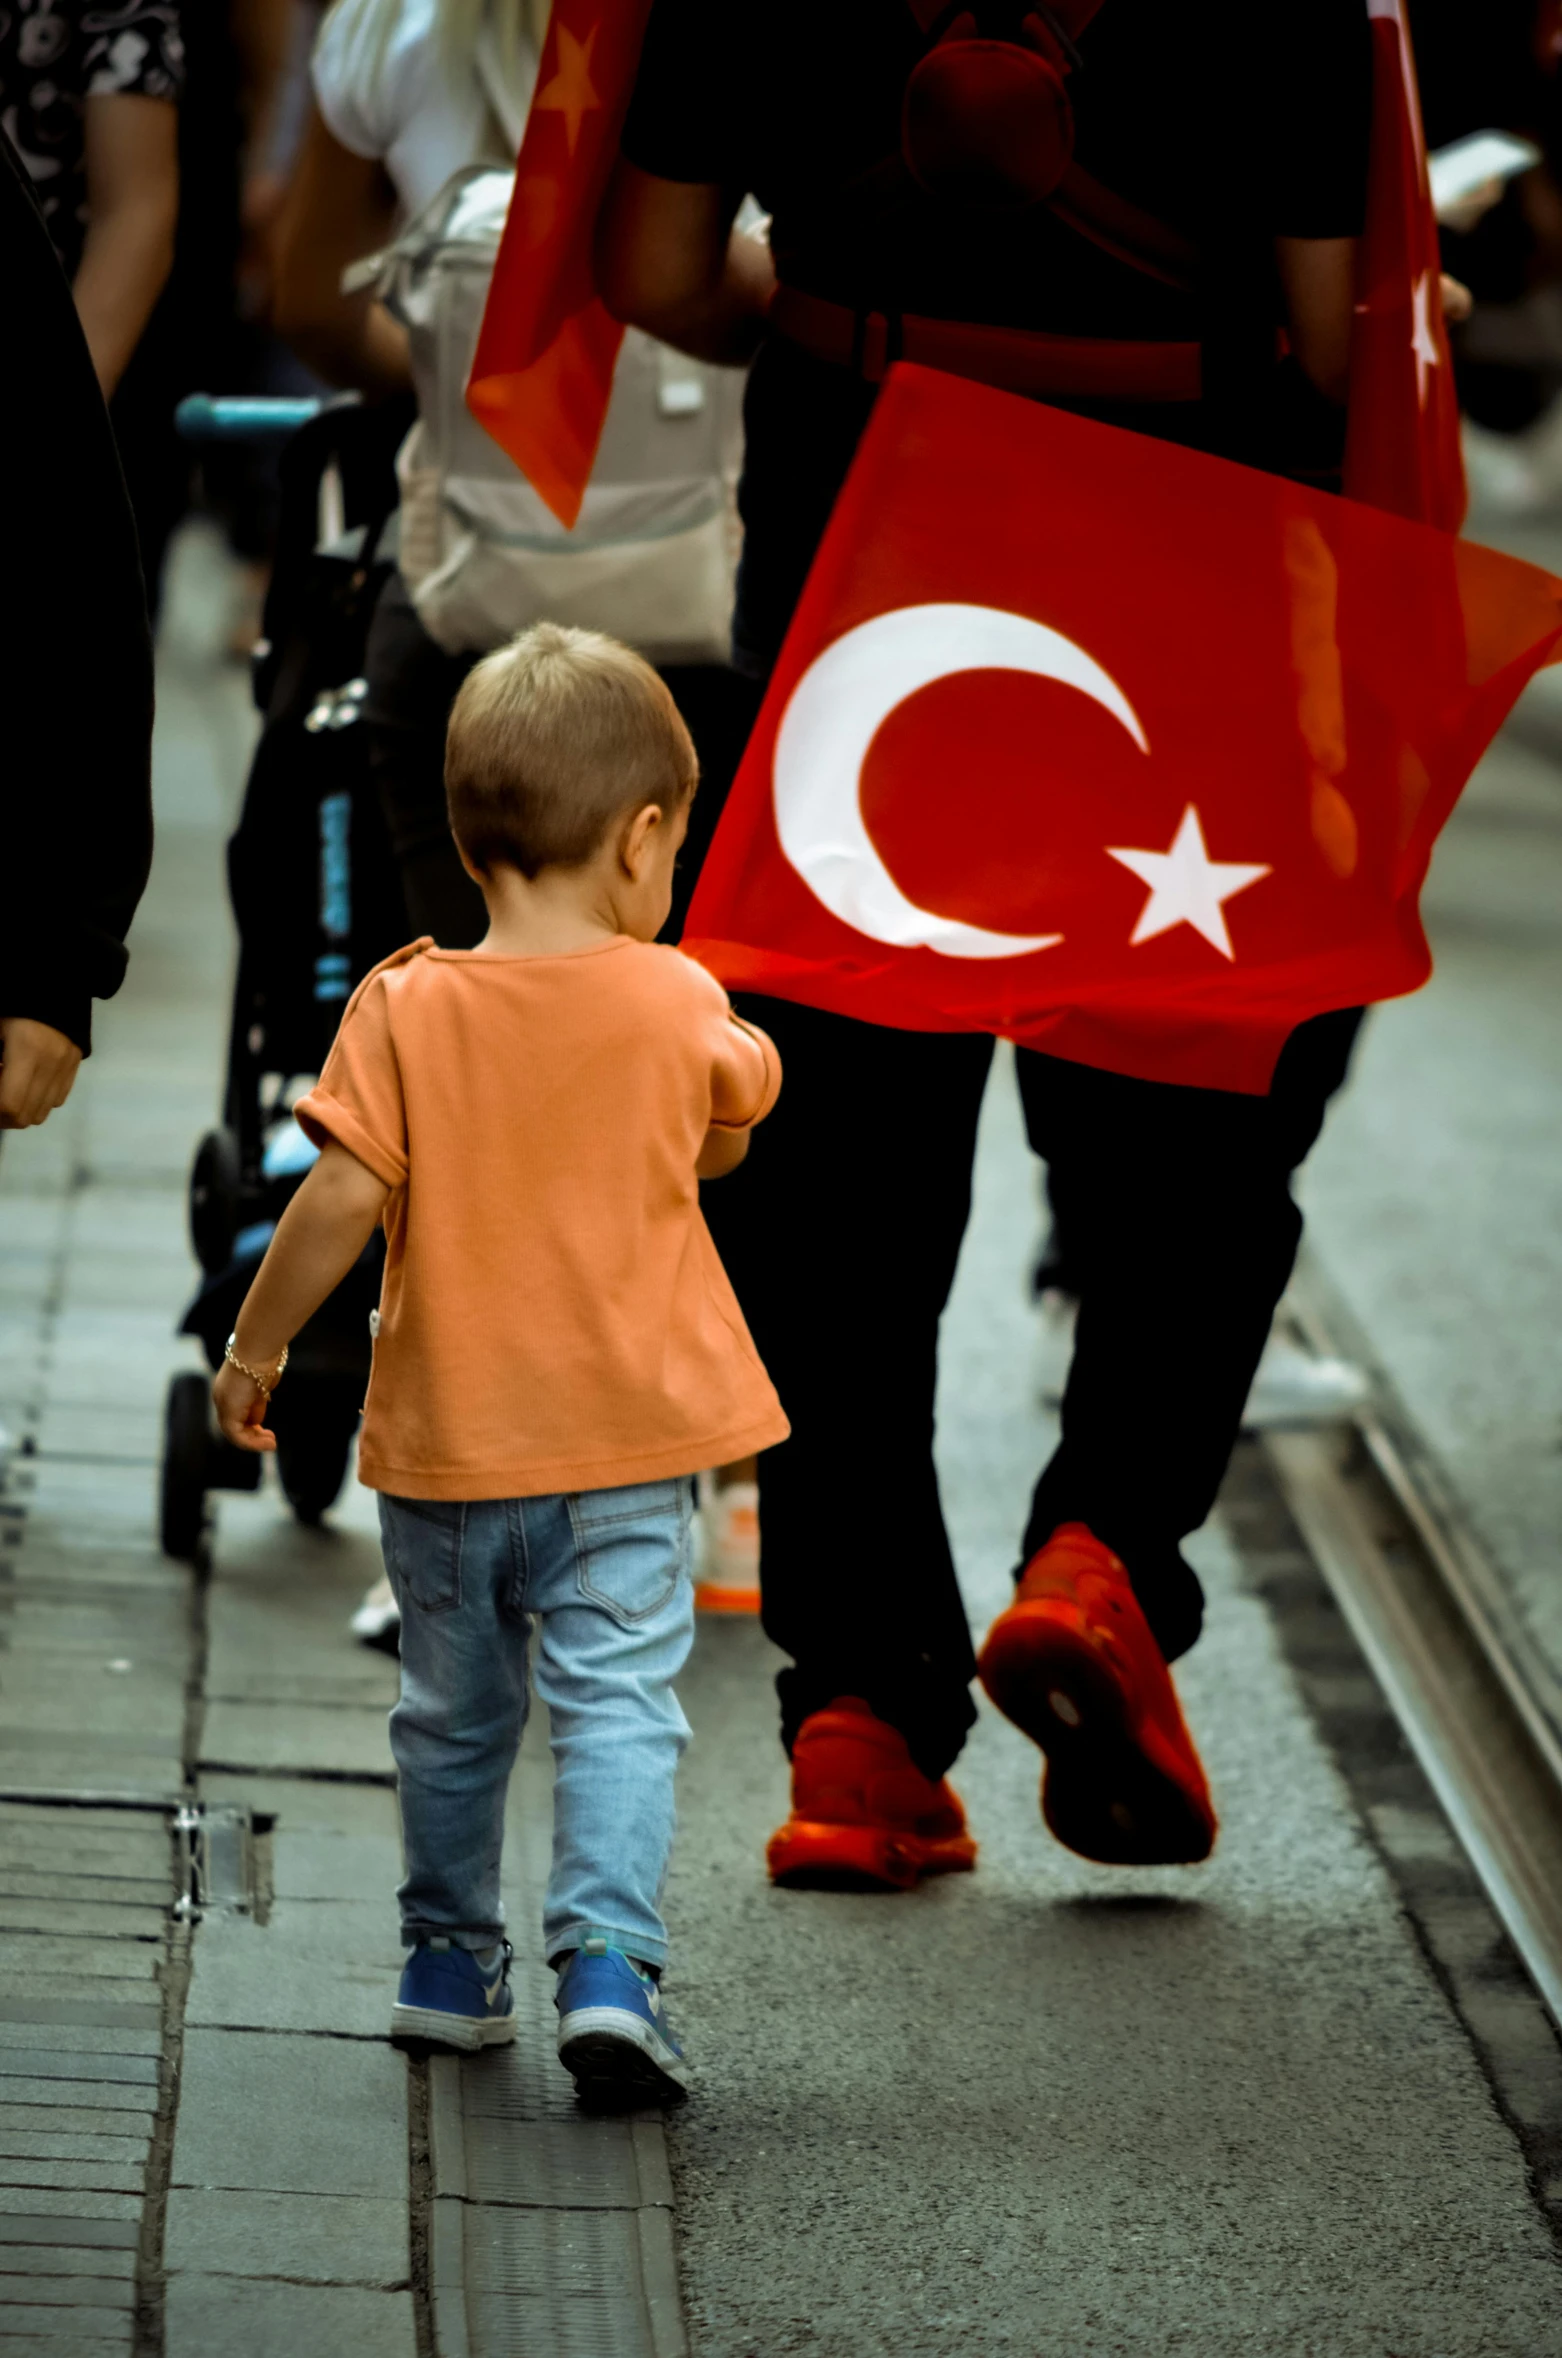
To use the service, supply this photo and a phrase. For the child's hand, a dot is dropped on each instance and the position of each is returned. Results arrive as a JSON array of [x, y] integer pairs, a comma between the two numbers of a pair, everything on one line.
[[241, 1410]]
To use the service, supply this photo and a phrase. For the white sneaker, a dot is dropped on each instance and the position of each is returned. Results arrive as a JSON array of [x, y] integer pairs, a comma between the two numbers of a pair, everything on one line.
[[728, 1577], [377, 1621], [1292, 1387]]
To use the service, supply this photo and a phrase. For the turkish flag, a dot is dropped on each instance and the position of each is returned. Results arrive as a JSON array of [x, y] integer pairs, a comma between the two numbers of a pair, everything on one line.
[[543, 370], [1402, 439], [1106, 746]]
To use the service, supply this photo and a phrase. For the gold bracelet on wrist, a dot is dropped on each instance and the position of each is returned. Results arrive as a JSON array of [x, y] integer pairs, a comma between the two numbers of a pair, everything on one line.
[[266, 1389]]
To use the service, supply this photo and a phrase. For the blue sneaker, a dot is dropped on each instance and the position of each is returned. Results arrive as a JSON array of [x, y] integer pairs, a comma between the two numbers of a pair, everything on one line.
[[611, 2033], [455, 1996]]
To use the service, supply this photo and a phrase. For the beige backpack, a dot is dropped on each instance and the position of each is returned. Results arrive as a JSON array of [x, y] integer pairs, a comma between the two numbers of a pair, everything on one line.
[[652, 556]]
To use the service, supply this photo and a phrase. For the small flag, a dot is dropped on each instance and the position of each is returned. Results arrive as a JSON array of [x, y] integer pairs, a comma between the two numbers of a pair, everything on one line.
[[1402, 439], [543, 370]]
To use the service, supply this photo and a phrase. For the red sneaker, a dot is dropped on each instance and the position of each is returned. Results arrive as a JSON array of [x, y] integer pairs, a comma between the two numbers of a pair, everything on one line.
[[862, 1811], [1072, 1662]]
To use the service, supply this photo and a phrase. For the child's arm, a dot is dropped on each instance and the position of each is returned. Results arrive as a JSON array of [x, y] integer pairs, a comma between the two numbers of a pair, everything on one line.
[[318, 1238], [744, 1082]]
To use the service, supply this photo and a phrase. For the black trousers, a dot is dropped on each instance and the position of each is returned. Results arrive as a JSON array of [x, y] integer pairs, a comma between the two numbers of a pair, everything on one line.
[[841, 1233], [412, 685]]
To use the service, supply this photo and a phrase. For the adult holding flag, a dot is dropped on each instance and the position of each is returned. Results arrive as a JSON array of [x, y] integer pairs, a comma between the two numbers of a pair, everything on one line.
[[1148, 217]]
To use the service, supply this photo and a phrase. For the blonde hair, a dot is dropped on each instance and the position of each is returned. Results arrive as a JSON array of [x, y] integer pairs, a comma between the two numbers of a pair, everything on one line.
[[554, 741]]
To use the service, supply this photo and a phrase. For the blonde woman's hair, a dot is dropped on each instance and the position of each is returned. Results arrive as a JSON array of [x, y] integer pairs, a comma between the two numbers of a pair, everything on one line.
[[520, 27]]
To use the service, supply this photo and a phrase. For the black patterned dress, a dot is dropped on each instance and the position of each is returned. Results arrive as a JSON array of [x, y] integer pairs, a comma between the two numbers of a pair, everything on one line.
[[54, 56]]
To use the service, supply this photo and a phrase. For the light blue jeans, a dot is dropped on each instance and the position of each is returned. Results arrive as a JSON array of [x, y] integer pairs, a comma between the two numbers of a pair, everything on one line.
[[607, 1576]]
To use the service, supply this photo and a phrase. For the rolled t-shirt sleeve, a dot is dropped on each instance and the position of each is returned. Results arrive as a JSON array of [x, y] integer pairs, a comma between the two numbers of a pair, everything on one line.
[[745, 1075], [358, 1100], [353, 80]]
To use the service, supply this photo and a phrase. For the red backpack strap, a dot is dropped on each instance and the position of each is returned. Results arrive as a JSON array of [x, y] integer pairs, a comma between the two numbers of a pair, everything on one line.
[[1083, 203], [1124, 230]]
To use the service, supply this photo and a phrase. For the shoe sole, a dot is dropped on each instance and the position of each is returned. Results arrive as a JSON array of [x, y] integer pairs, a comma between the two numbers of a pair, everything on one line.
[[810, 1854], [465, 2032], [615, 2062], [1103, 1796]]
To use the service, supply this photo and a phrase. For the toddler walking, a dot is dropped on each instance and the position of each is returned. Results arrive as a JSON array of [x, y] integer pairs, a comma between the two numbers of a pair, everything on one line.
[[558, 1350]]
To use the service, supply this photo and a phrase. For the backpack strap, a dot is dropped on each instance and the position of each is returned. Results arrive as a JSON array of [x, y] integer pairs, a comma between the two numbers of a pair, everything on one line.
[[1080, 201], [1123, 230]]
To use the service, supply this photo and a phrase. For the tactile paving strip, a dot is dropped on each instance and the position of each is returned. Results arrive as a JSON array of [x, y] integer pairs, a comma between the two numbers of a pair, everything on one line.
[[525, 2082], [557, 2165], [559, 2281], [552, 2230]]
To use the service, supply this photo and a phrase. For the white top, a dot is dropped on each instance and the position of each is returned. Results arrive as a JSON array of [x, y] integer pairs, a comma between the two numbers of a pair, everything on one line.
[[396, 103]]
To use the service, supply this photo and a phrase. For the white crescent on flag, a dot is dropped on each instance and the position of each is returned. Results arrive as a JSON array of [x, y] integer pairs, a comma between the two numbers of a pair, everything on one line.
[[831, 720]]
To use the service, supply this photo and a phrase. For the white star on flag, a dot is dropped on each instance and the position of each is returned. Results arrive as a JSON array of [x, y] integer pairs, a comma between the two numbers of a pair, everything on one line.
[[1186, 886], [1422, 341]]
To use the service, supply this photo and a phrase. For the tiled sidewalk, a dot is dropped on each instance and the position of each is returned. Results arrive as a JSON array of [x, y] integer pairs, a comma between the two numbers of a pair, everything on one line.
[[207, 2146]]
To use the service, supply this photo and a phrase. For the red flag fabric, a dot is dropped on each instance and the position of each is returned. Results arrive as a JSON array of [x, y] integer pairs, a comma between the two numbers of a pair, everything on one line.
[[543, 370], [1146, 798], [1402, 441]]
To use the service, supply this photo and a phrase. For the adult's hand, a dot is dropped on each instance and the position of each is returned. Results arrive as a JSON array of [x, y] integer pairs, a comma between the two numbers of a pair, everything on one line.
[[38, 1068], [1458, 302]]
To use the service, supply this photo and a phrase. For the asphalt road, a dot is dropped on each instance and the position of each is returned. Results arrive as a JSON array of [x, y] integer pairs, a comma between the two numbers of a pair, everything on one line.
[[1052, 2108]]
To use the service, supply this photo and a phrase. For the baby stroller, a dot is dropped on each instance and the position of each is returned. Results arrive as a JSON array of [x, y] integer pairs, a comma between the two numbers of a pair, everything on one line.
[[317, 902]]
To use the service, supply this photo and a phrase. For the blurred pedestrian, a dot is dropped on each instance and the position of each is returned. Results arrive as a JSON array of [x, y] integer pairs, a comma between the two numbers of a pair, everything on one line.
[[558, 1351], [399, 108], [75, 783], [88, 95]]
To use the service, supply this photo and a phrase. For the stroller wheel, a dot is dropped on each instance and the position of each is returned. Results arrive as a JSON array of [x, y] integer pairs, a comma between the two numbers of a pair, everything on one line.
[[312, 1460], [186, 1452], [214, 1199]]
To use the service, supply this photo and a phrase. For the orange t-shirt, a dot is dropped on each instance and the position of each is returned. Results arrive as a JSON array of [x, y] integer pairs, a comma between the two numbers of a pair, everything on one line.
[[554, 1315]]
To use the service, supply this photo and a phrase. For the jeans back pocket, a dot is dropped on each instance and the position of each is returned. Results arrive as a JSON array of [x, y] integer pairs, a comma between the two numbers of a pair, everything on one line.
[[633, 1545], [421, 1538]]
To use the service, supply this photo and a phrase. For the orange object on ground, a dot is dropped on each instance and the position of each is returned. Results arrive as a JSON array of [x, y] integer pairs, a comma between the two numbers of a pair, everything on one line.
[[728, 1578], [1073, 1664], [554, 1315], [862, 1811]]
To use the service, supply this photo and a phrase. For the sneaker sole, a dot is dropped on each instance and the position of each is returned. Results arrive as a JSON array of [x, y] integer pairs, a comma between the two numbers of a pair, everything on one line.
[[1104, 1796], [612, 2057], [810, 1854], [467, 2032]]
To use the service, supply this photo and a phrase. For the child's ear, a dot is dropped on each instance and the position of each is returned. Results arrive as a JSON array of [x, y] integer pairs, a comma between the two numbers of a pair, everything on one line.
[[638, 836]]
